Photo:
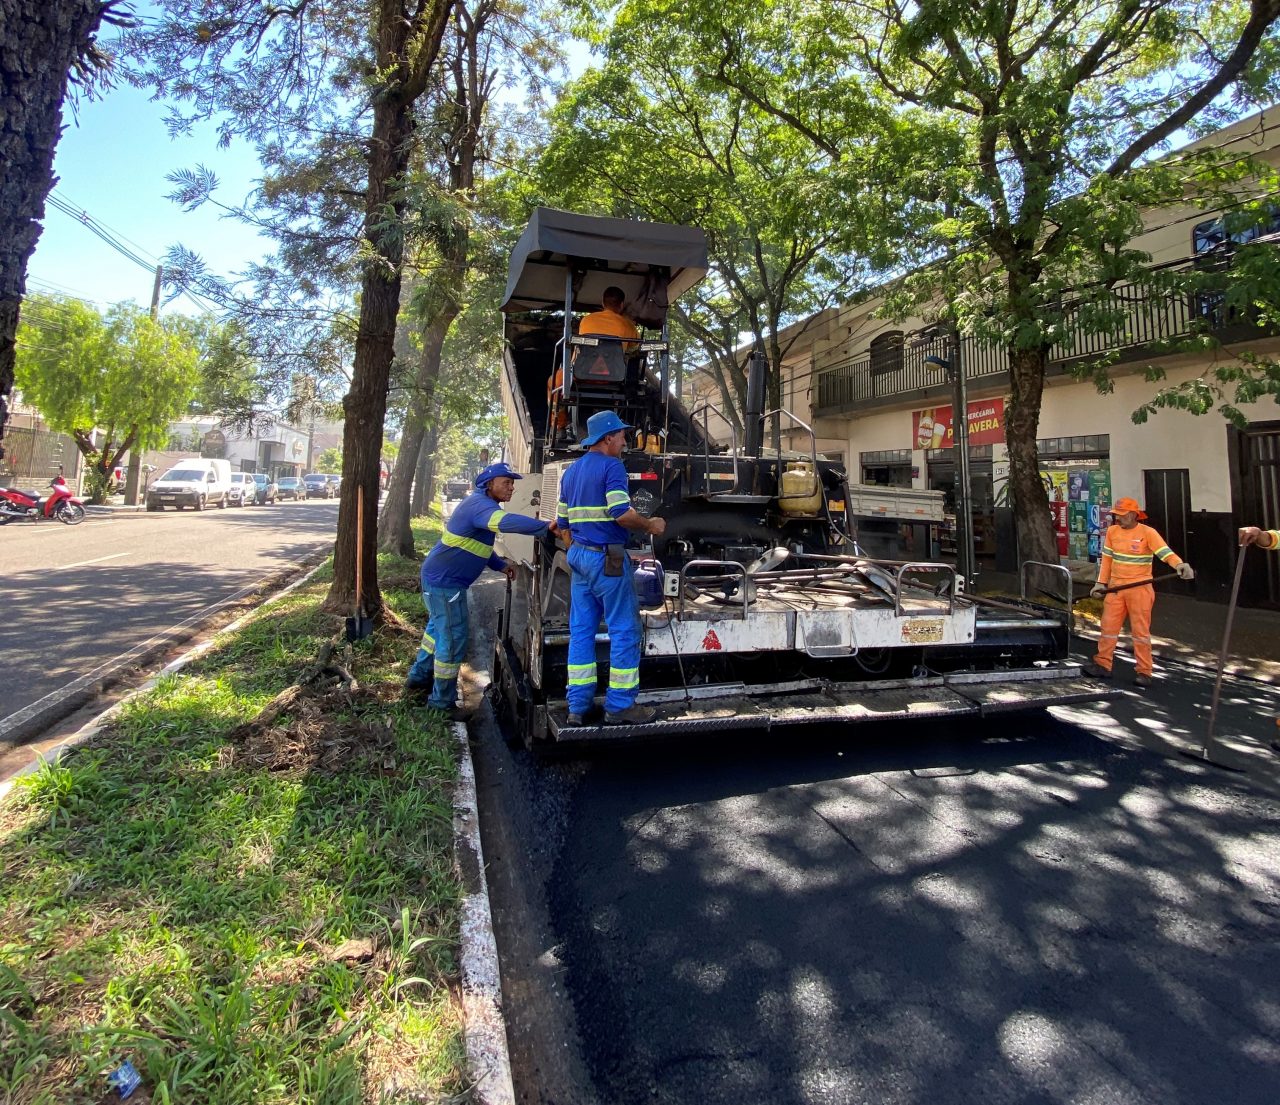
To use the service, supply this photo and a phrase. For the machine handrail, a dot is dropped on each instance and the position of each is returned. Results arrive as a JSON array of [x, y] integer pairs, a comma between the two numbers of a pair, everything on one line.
[[931, 566], [813, 453], [702, 408], [1067, 595], [724, 569]]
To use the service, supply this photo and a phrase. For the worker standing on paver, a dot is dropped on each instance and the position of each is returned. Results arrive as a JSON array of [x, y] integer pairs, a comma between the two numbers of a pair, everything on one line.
[[464, 550], [1263, 538], [1128, 551], [595, 507]]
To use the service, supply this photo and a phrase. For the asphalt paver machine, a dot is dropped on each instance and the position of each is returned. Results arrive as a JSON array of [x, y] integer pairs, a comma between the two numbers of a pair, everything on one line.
[[760, 611]]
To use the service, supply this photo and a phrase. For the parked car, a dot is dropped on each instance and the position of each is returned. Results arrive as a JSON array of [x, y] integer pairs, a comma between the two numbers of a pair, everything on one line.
[[316, 486], [456, 489], [196, 483], [265, 489], [335, 483], [243, 491], [290, 487]]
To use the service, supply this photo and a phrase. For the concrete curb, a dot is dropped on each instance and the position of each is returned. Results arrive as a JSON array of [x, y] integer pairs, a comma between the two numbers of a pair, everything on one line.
[[94, 727], [486, 1035]]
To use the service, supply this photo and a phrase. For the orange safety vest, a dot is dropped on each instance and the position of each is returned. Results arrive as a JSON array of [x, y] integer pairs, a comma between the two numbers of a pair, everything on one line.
[[1127, 554]]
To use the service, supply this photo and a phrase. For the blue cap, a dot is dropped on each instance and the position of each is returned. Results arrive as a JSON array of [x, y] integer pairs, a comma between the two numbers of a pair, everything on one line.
[[603, 423], [502, 468]]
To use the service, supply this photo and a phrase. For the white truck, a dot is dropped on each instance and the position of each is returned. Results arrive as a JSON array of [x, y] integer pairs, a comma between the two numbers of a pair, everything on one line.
[[196, 482]]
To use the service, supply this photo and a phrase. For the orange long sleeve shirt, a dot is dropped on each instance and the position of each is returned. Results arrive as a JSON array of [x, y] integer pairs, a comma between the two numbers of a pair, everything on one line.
[[1127, 554]]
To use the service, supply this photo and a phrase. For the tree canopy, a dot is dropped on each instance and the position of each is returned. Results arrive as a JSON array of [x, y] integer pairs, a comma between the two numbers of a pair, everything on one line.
[[1020, 140], [124, 374]]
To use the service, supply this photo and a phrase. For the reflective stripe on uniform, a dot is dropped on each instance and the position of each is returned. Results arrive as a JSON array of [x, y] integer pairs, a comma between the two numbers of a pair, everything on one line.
[[495, 521], [447, 671], [623, 679], [1163, 552], [617, 498], [428, 642], [582, 674], [589, 514], [1131, 558], [1109, 636], [466, 544]]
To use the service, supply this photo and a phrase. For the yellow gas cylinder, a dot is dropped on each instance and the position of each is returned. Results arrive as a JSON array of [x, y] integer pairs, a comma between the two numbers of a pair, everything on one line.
[[650, 443], [799, 491]]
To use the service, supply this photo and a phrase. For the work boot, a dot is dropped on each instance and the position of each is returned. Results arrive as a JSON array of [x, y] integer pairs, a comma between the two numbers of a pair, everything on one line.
[[1097, 671], [417, 692], [450, 713], [1142, 681], [632, 715], [573, 720]]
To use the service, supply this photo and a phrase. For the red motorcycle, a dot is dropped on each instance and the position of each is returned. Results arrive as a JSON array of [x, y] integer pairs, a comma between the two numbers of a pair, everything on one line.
[[28, 506]]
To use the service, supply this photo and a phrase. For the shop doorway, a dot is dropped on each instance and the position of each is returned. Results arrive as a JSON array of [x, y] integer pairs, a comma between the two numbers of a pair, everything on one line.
[[1167, 501], [1255, 488]]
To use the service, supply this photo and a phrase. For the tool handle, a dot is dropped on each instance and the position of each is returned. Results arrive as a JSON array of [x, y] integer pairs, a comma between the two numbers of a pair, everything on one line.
[[1141, 582], [359, 546]]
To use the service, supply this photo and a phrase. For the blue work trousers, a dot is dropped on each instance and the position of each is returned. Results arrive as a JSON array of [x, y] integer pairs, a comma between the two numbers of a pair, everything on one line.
[[594, 595], [444, 644]]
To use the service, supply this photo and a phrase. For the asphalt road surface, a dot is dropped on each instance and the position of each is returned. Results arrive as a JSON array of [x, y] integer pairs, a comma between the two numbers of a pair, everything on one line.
[[1054, 908], [77, 597]]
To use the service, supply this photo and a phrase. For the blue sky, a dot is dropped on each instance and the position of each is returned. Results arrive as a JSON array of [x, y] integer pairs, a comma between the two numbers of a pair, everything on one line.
[[111, 162]]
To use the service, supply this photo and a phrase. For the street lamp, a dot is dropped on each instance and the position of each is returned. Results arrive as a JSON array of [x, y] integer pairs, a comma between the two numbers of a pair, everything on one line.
[[960, 441]]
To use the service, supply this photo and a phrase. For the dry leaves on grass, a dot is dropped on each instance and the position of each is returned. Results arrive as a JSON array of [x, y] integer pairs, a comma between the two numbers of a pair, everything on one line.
[[318, 732]]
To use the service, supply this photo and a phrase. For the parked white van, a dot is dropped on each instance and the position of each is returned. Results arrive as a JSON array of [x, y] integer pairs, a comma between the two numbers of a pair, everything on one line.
[[197, 483]]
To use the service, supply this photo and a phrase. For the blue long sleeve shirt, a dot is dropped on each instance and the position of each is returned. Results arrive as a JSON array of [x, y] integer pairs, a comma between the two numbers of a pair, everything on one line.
[[466, 547], [593, 493]]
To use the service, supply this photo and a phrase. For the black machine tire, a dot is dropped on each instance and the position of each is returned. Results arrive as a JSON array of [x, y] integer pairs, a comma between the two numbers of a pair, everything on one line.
[[222, 503], [154, 508], [72, 514], [199, 503]]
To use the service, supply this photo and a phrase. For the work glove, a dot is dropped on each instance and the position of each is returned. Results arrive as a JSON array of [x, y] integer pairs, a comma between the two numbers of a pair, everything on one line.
[[1097, 590], [1185, 572]]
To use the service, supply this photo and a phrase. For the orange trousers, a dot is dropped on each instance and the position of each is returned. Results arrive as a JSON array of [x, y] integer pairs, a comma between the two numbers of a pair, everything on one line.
[[1136, 604]]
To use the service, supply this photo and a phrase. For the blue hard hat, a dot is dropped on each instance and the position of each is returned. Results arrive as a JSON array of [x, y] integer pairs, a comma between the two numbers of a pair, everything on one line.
[[603, 423], [502, 468]]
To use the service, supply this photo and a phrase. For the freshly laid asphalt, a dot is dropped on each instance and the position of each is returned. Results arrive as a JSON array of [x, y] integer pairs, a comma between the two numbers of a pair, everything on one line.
[[1059, 907]]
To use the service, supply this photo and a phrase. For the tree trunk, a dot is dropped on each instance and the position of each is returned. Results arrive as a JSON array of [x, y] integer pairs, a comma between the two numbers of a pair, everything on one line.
[[394, 532], [1037, 538], [421, 504], [430, 451], [39, 42], [365, 404]]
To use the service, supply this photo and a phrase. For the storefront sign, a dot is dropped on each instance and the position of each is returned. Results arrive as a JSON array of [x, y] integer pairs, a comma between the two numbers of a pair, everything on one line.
[[932, 428]]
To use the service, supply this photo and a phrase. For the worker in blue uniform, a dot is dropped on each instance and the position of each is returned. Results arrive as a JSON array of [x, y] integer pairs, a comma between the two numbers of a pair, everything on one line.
[[452, 566], [595, 506]]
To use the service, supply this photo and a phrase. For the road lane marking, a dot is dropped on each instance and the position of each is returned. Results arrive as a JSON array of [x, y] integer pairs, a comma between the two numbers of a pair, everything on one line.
[[95, 560]]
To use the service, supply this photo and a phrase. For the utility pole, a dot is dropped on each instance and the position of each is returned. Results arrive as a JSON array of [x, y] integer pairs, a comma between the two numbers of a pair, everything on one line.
[[965, 557], [134, 473]]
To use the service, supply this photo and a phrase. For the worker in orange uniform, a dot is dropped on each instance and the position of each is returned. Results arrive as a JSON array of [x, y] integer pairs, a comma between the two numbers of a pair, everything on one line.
[[609, 321], [1127, 554], [1263, 538]]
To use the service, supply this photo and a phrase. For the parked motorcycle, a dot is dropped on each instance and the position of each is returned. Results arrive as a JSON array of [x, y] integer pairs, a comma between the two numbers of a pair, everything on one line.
[[28, 506]]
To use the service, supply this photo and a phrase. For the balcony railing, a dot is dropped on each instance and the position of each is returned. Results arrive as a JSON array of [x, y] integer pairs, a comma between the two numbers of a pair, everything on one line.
[[1136, 318]]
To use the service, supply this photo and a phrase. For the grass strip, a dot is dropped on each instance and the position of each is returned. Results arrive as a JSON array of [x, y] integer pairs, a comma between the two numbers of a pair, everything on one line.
[[254, 916]]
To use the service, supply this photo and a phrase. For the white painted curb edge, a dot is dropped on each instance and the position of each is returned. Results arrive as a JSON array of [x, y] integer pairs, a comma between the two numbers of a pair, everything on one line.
[[485, 1029], [93, 728]]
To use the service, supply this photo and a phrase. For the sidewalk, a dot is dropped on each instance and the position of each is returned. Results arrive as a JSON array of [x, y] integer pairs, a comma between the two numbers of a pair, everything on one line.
[[1185, 630]]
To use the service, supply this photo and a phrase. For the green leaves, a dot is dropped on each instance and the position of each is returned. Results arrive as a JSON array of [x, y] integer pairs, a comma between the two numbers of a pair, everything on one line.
[[123, 373]]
